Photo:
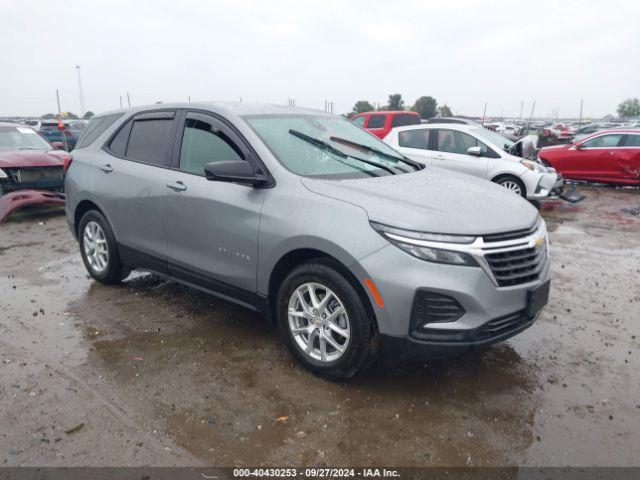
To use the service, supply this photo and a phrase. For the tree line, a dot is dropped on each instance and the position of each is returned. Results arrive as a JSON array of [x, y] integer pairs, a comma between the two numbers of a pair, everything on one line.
[[425, 106], [67, 115]]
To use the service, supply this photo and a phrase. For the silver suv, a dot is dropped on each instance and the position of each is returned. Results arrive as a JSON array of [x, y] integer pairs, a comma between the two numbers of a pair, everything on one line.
[[351, 248]]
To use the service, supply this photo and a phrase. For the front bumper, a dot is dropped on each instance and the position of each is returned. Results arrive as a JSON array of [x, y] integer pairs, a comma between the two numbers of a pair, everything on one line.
[[546, 184], [396, 349], [21, 198], [399, 277]]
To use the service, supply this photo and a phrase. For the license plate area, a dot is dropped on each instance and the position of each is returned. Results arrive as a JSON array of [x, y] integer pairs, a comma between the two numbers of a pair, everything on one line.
[[537, 298]]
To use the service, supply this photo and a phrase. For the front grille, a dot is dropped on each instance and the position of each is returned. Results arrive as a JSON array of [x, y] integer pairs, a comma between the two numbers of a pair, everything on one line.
[[431, 307], [518, 266], [39, 178]]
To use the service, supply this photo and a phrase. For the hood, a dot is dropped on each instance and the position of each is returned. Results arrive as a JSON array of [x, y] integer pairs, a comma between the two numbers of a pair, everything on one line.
[[432, 200], [31, 158]]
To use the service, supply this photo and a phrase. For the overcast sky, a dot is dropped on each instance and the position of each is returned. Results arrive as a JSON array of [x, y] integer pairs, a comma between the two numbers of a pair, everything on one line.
[[461, 52]]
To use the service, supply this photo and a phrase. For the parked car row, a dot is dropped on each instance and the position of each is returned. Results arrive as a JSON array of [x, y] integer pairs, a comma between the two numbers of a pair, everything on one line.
[[352, 247], [67, 137], [489, 151]]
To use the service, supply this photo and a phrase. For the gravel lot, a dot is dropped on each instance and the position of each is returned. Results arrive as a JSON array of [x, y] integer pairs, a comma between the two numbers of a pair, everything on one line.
[[153, 373]]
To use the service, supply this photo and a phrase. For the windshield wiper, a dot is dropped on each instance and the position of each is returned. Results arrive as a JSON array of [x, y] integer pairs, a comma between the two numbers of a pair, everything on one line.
[[367, 148], [325, 146]]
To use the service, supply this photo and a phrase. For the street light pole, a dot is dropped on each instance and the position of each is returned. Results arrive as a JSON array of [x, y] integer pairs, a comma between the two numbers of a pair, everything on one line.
[[82, 112]]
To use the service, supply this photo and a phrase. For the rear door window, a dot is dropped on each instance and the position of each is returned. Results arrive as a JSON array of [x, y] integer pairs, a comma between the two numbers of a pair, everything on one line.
[[418, 138], [376, 121]]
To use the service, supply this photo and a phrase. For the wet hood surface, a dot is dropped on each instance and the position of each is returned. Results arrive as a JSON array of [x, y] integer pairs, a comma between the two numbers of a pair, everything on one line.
[[432, 200], [30, 158]]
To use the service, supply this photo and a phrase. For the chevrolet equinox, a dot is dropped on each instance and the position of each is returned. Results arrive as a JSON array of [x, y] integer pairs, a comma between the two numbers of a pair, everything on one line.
[[351, 248]]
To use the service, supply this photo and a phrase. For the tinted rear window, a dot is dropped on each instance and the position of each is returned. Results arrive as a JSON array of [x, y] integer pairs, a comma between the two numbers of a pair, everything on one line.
[[95, 128], [632, 141], [402, 120], [376, 121], [418, 138], [148, 141]]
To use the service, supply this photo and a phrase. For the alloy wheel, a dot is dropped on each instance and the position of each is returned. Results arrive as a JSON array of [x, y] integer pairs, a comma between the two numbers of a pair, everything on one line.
[[95, 247], [318, 322], [512, 186]]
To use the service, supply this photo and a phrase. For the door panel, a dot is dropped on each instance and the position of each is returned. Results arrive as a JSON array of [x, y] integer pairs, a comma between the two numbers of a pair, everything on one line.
[[414, 144], [597, 160], [129, 186], [451, 145], [211, 227]]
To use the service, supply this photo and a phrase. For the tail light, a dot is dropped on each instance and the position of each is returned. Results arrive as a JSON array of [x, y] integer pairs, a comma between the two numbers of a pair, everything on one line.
[[66, 163]]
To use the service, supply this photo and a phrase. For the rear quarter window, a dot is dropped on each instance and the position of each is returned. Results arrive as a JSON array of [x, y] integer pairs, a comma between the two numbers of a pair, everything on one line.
[[95, 128]]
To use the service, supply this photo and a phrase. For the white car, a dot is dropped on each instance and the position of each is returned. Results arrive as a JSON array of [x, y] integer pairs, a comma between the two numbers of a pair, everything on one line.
[[476, 151]]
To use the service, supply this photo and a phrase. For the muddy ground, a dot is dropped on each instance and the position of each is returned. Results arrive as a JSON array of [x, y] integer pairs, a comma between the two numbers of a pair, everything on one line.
[[153, 373]]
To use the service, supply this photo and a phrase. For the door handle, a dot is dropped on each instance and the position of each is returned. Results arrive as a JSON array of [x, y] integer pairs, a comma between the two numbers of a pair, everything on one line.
[[106, 168], [439, 157], [177, 186]]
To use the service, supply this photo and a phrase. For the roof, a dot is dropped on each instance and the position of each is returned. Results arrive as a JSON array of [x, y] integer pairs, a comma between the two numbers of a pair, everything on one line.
[[225, 108], [387, 112], [452, 126]]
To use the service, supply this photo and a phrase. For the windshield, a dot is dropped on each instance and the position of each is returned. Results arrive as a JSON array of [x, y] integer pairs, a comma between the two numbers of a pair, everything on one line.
[[493, 137], [21, 138], [307, 159]]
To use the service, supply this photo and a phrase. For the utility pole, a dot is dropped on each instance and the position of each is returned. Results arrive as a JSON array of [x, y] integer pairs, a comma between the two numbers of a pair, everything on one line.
[[521, 108], [128, 100], [60, 124], [531, 116], [484, 114], [120, 101], [82, 111], [580, 120]]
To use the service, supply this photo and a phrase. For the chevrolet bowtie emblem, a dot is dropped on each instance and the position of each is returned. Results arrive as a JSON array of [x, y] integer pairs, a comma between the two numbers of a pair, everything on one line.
[[539, 242]]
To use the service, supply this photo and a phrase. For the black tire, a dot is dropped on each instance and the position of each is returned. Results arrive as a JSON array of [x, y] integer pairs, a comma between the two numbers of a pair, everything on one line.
[[114, 271], [503, 179], [362, 348]]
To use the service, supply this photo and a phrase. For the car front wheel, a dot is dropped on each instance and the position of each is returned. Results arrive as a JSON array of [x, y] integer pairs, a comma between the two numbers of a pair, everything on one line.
[[512, 184], [324, 322]]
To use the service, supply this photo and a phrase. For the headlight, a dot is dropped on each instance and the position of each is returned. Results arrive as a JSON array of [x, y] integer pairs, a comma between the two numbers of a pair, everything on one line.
[[535, 166], [3, 174], [415, 244]]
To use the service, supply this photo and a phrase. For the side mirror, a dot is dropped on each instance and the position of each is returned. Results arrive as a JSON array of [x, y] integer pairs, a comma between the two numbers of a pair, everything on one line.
[[235, 171], [58, 145], [579, 146], [475, 151]]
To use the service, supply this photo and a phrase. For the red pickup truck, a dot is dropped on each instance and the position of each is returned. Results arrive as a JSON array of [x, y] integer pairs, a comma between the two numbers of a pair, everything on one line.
[[381, 123]]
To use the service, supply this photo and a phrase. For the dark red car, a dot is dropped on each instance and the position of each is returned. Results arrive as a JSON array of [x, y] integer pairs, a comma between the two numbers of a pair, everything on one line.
[[610, 156], [381, 123], [31, 169]]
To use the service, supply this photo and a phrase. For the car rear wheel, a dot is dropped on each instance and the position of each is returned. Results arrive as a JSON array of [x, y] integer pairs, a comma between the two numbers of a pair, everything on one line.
[[324, 323], [98, 248], [512, 184]]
